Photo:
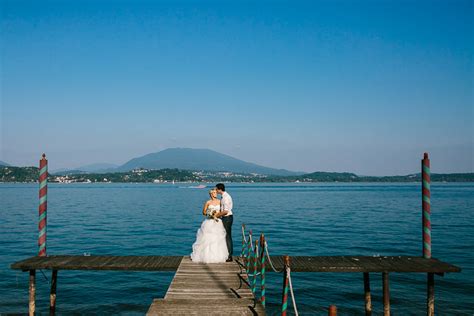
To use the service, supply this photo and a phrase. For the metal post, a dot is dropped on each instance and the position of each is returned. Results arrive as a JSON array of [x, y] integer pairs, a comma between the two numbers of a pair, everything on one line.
[[32, 292], [52, 295], [332, 311], [430, 295], [284, 300], [426, 205], [386, 294], [43, 205], [368, 299], [262, 270]]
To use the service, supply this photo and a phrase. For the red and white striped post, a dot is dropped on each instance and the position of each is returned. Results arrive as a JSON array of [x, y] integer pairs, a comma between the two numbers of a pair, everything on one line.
[[43, 205], [284, 300], [426, 205]]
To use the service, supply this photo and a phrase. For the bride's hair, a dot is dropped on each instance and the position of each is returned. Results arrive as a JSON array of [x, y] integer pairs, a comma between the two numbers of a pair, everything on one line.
[[211, 190]]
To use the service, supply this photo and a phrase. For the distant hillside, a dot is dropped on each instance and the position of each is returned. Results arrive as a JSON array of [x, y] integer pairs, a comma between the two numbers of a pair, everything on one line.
[[199, 159], [2, 163], [330, 176], [98, 167], [30, 174], [92, 168], [18, 174]]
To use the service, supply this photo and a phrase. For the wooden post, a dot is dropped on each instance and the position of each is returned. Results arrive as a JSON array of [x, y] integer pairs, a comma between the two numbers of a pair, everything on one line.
[[43, 205], [255, 262], [386, 294], [332, 310], [430, 295], [52, 295], [32, 290], [284, 300], [262, 270], [243, 243], [426, 205], [249, 254], [368, 299]]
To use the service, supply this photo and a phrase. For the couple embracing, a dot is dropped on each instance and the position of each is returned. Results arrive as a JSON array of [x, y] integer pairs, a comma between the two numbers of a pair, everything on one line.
[[214, 238]]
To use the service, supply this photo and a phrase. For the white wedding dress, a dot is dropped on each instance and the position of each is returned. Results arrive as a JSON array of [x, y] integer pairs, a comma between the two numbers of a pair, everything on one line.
[[210, 245]]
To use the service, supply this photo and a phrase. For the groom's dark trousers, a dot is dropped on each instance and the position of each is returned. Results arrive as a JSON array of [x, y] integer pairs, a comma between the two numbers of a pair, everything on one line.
[[227, 221]]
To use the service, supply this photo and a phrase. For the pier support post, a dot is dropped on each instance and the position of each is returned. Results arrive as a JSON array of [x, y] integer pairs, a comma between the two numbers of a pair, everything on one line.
[[386, 294], [32, 291], [367, 297], [52, 295], [430, 295]]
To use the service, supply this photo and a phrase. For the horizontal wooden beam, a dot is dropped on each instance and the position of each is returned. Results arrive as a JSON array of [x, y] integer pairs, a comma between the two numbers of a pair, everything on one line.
[[298, 263]]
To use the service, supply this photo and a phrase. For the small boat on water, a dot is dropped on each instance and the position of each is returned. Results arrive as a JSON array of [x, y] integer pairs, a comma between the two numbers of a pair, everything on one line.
[[201, 186]]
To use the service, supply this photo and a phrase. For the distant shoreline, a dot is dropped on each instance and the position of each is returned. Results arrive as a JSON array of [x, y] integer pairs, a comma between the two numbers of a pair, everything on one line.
[[30, 175], [231, 182]]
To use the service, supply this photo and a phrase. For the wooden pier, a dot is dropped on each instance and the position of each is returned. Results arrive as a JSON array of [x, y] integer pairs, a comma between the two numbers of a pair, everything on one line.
[[208, 289], [223, 288]]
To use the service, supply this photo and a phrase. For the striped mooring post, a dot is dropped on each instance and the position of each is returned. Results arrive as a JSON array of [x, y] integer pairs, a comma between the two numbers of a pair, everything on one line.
[[426, 205], [255, 262], [243, 242], [284, 300], [249, 252], [43, 205], [262, 270]]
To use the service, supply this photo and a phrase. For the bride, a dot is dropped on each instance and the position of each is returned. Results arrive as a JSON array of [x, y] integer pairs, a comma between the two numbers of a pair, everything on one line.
[[210, 245]]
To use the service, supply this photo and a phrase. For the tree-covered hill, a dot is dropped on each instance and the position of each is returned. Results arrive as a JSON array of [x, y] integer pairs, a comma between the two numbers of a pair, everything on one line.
[[30, 174], [18, 174]]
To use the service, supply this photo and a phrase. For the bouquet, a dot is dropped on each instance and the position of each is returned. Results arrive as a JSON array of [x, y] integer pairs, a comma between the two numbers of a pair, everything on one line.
[[211, 214]]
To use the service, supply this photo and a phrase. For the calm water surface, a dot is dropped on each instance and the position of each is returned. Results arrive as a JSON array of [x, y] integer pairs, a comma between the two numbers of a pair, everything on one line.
[[320, 219]]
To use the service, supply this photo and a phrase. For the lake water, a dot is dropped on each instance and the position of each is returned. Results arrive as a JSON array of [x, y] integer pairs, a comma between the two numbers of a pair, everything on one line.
[[298, 219]]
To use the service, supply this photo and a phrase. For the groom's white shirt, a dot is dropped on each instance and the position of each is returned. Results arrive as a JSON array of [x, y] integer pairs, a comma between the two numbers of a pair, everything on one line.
[[226, 203]]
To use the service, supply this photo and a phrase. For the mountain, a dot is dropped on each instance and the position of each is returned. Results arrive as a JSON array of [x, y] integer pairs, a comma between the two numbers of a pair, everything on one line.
[[92, 168], [199, 159], [2, 163], [97, 167]]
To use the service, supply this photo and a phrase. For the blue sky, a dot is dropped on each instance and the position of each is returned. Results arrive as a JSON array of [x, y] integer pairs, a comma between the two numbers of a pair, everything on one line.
[[365, 87]]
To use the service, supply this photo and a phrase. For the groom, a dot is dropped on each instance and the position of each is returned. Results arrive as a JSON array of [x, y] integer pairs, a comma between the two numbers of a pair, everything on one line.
[[226, 216]]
